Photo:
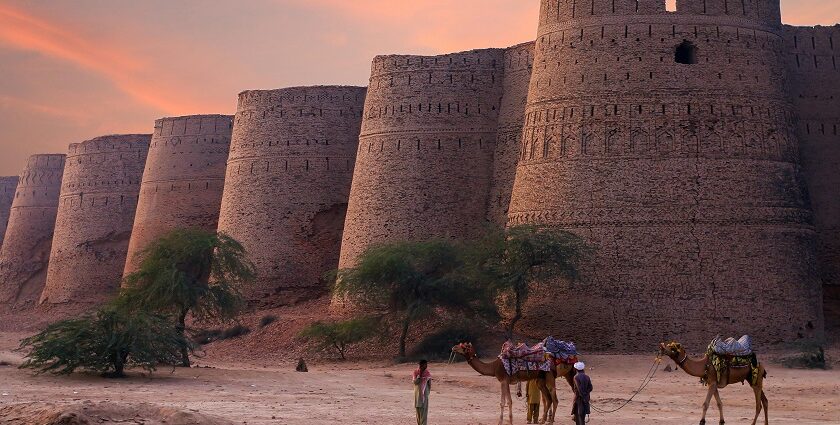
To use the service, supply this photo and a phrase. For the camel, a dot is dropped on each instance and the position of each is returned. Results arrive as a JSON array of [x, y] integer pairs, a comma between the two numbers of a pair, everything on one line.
[[703, 368], [547, 381]]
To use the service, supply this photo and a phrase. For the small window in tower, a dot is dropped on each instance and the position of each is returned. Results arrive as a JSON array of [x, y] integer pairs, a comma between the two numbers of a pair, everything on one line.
[[671, 5], [686, 53]]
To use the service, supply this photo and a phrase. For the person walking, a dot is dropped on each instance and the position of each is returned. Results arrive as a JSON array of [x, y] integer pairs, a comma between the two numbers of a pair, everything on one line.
[[583, 386], [532, 398], [422, 389]]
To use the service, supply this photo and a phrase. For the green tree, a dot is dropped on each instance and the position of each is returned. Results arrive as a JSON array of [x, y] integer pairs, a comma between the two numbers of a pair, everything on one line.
[[507, 261], [190, 272], [340, 335], [408, 281], [107, 341]]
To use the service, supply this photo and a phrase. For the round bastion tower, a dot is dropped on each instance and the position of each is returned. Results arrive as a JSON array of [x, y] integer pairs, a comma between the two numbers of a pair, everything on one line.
[[667, 141], [26, 247], [425, 157], [287, 184], [183, 179], [8, 185], [95, 215]]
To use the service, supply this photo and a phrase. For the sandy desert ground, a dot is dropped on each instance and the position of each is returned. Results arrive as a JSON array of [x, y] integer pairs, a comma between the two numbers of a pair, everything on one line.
[[379, 393]]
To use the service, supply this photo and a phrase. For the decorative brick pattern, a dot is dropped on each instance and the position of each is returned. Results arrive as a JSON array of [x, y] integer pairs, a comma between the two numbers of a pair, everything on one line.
[[287, 186], [95, 214], [686, 177], [8, 185], [26, 248], [183, 179]]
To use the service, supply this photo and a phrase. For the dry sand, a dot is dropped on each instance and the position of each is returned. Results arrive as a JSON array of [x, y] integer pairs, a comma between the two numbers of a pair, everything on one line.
[[379, 393]]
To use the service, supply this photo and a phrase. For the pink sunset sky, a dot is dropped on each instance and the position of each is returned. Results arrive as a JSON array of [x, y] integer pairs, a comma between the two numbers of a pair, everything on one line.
[[76, 69]]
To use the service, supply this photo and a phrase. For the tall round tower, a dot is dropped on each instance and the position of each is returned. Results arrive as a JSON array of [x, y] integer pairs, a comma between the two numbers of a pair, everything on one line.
[[666, 140], [7, 195], [183, 179], [425, 157], [95, 215], [26, 247], [288, 180]]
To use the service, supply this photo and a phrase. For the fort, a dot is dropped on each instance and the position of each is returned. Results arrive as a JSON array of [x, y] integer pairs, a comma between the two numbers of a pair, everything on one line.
[[95, 216], [287, 185], [694, 147], [183, 179], [7, 195], [25, 253]]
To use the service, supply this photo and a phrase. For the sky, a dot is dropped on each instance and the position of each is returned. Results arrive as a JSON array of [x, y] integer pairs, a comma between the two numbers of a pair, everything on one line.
[[71, 70]]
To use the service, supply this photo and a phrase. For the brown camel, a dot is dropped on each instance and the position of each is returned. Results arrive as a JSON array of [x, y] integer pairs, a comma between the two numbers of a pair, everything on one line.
[[496, 369], [703, 368]]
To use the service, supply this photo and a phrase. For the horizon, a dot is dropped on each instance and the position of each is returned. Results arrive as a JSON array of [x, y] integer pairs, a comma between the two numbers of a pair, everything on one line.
[[83, 69]]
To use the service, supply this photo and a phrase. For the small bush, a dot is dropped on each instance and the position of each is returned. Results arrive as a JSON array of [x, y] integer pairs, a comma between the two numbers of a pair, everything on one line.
[[108, 341], [340, 335], [438, 346], [809, 357], [235, 332], [206, 336], [267, 320]]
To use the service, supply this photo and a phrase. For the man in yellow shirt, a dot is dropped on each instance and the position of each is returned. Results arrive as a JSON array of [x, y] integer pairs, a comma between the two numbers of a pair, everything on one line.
[[533, 397]]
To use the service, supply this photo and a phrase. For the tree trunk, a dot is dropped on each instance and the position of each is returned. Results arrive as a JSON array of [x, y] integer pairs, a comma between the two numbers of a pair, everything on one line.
[[404, 334], [182, 328], [516, 316]]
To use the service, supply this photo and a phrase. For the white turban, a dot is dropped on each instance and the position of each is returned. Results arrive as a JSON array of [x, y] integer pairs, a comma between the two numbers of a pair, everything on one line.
[[579, 366]]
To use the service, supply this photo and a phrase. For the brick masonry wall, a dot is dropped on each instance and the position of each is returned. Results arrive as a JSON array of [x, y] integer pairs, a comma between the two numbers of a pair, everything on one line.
[[183, 179], [95, 215], [686, 178], [26, 248], [519, 61], [8, 185], [425, 156], [287, 185], [813, 61]]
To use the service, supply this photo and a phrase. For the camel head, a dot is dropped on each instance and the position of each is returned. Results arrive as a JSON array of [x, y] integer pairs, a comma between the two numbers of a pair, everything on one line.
[[672, 349], [465, 349]]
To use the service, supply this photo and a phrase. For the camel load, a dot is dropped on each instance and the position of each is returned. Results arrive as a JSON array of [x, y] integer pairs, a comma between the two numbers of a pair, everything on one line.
[[733, 354], [544, 356]]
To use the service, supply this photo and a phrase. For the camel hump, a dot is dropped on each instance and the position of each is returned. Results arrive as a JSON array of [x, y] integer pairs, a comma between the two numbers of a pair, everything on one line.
[[732, 347]]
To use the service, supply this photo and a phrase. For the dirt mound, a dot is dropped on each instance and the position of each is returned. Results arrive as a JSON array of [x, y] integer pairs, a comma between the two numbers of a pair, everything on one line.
[[101, 413]]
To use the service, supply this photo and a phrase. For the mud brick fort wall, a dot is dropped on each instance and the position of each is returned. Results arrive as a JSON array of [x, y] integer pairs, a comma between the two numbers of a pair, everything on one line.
[[183, 179], [686, 177], [287, 185], [95, 216], [696, 150], [26, 247], [7, 195], [425, 159], [813, 61]]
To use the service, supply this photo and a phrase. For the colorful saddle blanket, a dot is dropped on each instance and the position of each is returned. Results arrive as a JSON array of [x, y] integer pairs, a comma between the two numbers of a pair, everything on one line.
[[732, 347], [732, 353], [562, 351], [522, 357]]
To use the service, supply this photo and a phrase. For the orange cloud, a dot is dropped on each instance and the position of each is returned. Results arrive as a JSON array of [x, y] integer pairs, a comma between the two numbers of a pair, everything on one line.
[[24, 31], [443, 25], [8, 102]]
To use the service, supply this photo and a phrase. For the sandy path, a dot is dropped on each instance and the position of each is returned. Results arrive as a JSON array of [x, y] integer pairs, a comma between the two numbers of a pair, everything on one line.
[[366, 393]]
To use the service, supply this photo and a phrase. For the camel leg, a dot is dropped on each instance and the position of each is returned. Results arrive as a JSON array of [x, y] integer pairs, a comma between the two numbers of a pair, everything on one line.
[[758, 394], [709, 394], [546, 399], [555, 402], [765, 404], [719, 406], [502, 404], [510, 405]]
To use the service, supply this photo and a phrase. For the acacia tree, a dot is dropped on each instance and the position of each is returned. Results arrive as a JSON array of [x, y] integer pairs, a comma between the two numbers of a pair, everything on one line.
[[340, 335], [408, 281], [190, 272], [107, 341], [508, 260]]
